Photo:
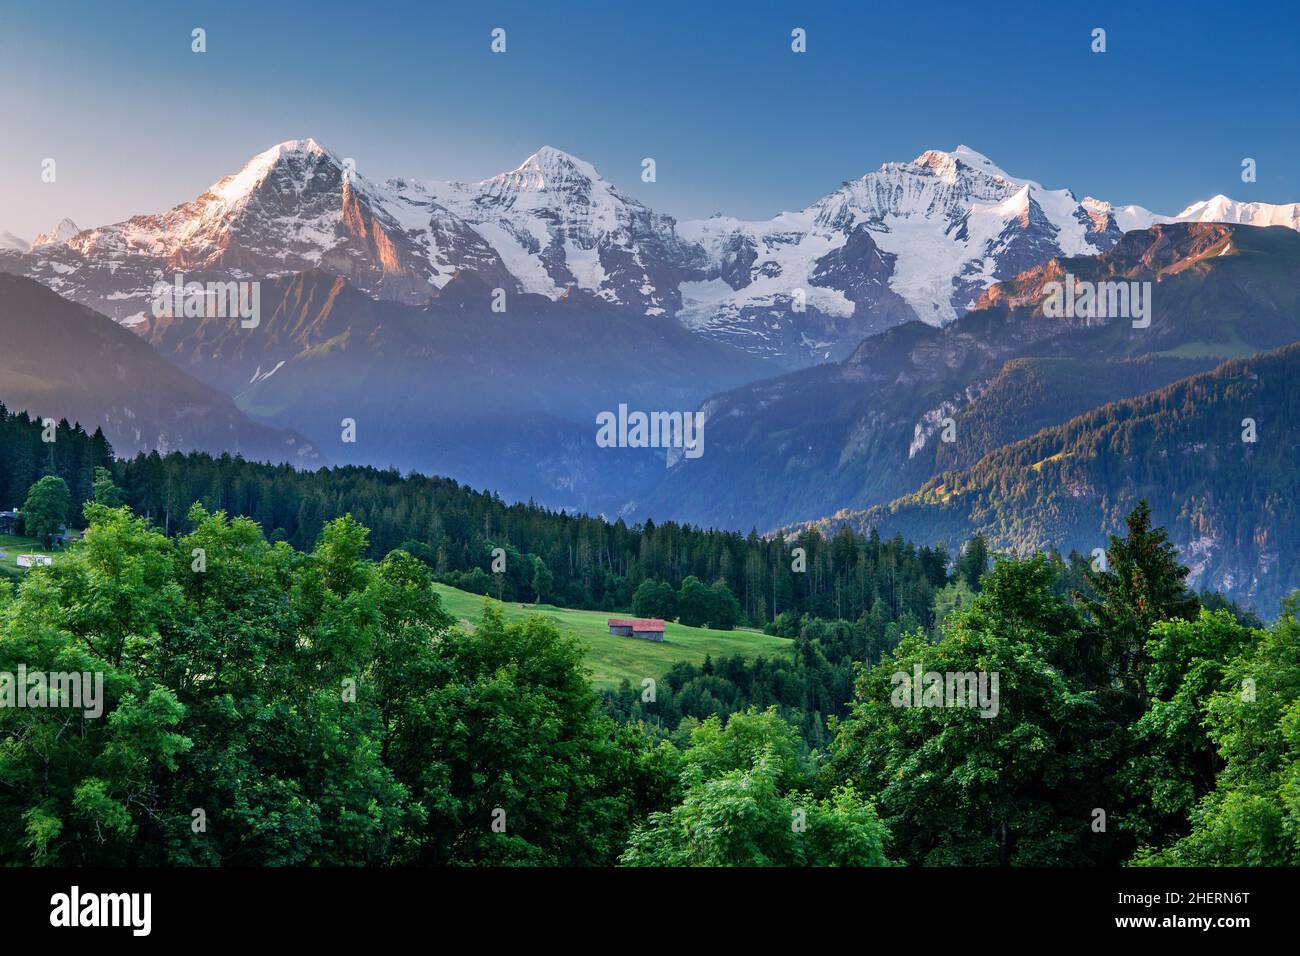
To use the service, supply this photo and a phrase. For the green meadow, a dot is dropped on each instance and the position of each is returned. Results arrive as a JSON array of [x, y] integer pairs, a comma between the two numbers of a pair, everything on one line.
[[12, 546], [611, 658]]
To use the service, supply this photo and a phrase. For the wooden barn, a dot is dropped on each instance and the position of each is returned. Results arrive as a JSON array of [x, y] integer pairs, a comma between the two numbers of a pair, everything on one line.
[[646, 628]]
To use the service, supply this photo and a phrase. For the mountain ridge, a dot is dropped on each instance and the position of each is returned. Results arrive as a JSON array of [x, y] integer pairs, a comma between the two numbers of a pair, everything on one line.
[[863, 430], [1225, 491], [62, 360], [920, 239]]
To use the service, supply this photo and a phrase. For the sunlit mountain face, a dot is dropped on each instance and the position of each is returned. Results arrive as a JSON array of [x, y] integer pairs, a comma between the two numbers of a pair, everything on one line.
[[917, 240]]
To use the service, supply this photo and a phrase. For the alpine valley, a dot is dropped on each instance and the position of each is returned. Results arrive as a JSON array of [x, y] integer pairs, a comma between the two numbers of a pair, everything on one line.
[[881, 357]]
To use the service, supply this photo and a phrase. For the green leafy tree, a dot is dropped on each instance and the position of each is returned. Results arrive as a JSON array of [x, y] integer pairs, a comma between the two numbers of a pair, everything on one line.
[[953, 597], [1173, 760], [501, 742], [514, 582], [1252, 816], [654, 599], [105, 492], [543, 580], [694, 603], [46, 510], [985, 785], [974, 562], [239, 679], [724, 613], [743, 806], [80, 788]]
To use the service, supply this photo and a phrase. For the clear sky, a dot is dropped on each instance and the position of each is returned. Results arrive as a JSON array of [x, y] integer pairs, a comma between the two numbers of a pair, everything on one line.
[[735, 121]]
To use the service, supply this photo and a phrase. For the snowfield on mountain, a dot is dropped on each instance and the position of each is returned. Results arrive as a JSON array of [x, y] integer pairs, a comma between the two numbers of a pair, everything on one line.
[[912, 240]]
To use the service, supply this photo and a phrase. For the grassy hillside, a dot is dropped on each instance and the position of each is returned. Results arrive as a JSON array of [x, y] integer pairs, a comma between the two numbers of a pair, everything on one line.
[[13, 546], [612, 658]]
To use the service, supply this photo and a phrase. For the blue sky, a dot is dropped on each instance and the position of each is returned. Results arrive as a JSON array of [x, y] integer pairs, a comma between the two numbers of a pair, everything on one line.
[[735, 121]]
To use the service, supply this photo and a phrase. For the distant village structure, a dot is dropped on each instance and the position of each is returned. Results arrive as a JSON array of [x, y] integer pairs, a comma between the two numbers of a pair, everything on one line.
[[646, 628], [11, 520]]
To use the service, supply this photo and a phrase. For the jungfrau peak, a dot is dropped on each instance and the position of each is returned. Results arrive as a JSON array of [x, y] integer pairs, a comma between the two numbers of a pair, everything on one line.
[[928, 237]]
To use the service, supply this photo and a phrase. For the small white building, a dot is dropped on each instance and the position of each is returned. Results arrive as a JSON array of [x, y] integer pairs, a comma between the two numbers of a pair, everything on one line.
[[33, 560]]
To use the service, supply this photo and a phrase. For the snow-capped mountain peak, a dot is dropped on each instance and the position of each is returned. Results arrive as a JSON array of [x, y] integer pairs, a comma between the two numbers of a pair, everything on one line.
[[948, 162], [282, 210], [558, 225], [1126, 218], [548, 180], [61, 233], [298, 159], [919, 239], [549, 167], [977, 160], [1222, 209], [914, 239]]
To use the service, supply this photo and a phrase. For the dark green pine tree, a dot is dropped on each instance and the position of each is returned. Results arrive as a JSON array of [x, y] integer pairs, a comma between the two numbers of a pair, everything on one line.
[[1142, 583], [974, 562]]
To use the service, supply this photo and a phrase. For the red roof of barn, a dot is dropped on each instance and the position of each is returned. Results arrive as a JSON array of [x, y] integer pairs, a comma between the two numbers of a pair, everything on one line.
[[620, 622], [647, 624]]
